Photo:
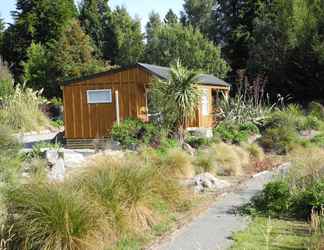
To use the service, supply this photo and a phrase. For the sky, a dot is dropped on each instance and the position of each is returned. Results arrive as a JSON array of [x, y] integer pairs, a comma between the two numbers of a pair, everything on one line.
[[140, 8]]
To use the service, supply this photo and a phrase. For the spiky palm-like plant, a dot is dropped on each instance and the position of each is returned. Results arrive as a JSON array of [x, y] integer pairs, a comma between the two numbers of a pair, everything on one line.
[[177, 98]]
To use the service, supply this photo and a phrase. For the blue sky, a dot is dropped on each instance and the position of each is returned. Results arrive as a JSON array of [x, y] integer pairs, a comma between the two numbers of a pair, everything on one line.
[[141, 8]]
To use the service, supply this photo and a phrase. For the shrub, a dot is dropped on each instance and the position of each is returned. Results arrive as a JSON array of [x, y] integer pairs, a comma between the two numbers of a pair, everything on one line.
[[197, 142], [133, 131], [234, 133], [274, 199], [48, 216], [318, 140], [316, 109], [279, 139], [20, 111]]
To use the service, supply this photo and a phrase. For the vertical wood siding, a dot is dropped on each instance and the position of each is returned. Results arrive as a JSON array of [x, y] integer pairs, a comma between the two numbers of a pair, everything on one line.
[[88, 121], [94, 121]]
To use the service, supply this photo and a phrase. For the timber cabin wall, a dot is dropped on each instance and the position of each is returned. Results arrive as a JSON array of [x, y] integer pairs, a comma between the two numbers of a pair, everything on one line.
[[94, 121]]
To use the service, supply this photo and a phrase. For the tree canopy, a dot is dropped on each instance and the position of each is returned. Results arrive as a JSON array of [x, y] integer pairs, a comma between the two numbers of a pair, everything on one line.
[[172, 42]]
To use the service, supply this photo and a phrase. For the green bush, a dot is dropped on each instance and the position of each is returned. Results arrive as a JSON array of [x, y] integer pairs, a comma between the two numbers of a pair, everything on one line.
[[197, 141], [133, 131], [49, 216], [318, 140], [233, 133], [312, 197], [274, 199], [316, 109], [279, 139]]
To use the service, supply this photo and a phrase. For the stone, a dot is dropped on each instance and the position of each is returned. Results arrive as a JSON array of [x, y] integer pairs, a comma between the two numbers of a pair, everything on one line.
[[186, 147], [73, 159], [57, 171], [207, 181]]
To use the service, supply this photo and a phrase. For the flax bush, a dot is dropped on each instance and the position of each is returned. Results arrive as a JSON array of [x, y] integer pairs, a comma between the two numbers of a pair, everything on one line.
[[20, 110]]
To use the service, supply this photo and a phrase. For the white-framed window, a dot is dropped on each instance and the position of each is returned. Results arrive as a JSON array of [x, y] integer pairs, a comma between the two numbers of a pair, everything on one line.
[[99, 96], [205, 102]]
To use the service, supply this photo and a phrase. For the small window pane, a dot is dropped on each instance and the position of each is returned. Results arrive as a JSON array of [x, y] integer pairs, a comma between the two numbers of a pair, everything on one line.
[[99, 96]]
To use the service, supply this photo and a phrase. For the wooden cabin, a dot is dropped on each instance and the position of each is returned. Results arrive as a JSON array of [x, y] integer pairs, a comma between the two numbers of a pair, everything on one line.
[[94, 103]]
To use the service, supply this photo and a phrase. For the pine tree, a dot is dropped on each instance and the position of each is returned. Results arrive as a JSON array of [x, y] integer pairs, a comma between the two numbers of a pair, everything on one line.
[[69, 57], [153, 24], [38, 21], [126, 43], [170, 17], [94, 20]]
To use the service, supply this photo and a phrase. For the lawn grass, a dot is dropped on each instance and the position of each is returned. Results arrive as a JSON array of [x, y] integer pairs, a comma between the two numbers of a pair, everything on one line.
[[273, 234]]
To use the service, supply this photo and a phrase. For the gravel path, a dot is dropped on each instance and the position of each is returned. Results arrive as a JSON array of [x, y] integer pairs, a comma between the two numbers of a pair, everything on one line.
[[212, 230]]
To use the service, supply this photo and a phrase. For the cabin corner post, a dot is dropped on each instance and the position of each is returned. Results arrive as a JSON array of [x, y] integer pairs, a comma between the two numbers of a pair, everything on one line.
[[117, 107]]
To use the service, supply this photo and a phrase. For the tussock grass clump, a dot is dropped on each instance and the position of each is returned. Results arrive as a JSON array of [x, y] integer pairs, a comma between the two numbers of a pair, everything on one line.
[[254, 150], [205, 162], [223, 159], [50, 216], [122, 188], [227, 158], [178, 163]]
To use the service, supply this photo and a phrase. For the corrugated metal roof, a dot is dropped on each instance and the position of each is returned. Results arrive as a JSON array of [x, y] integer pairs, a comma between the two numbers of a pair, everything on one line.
[[164, 72]]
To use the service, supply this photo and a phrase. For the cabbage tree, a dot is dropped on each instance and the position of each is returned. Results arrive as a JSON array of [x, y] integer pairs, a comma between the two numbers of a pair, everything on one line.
[[177, 98]]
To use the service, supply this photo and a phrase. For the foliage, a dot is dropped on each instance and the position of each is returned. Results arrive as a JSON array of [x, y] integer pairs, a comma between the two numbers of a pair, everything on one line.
[[50, 215], [177, 163], [71, 56], [93, 18], [272, 234], [316, 109], [20, 111], [222, 159], [198, 141], [170, 17], [6, 81], [189, 45], [299, 192], [152, 25], [274, 198], [318, 140], [35, 21], [57, 123], [126, 45], [177, 98], [39, 148], [9, 155], [128, 188], [248, 105], [234, 133], [133, 131], [254, 150]]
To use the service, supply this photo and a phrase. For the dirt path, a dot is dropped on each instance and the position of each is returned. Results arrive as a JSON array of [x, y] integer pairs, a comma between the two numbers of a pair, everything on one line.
[[212, 230]]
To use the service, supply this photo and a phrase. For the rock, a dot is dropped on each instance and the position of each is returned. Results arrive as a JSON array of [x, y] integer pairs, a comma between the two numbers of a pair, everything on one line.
[[73, 159], [283, 169], [51, 156], [186, 147], [57, 171], [207, 181]]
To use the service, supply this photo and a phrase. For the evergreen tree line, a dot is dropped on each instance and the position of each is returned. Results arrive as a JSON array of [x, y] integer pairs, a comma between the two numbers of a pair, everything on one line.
[[279, 40]]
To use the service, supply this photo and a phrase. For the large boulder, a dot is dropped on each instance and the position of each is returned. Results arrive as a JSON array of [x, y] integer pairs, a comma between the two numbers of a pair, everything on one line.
[[73, 159], [55, 164], [206, 181]]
